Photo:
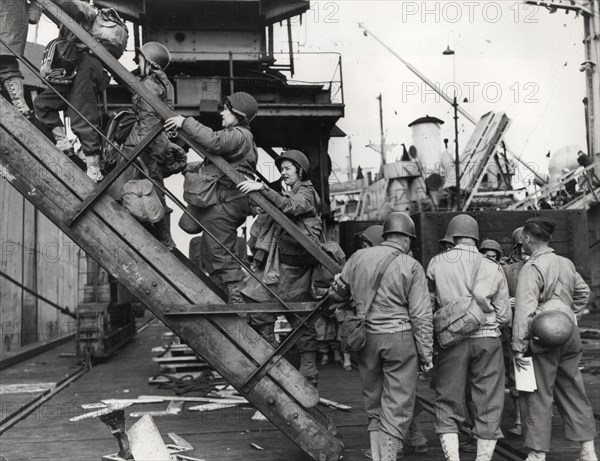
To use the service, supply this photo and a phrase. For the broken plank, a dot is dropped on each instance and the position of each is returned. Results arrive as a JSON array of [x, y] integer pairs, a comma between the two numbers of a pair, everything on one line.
[[199, 399], [214, 406], [100, 412], [180, 441], [146, 442], [180, 358], [332, 404]]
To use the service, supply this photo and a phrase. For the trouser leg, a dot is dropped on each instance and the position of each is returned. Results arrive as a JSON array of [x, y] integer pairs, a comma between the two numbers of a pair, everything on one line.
[[221, 221], [570, 395], [536, 406], [450, 386], [487, 386], [370, 370], [47, 106], [400, 369], [88, 84], [416, 436]]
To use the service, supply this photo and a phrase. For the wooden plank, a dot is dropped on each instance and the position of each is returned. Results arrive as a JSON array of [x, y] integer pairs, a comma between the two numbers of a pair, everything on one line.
[[163, 110], [29, 315], [48, 242], [158, 279], [11, 263], [146, 442], [246, 308]]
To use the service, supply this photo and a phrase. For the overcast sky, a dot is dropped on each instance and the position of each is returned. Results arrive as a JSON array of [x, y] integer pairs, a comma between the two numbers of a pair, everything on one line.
[[510, 57]]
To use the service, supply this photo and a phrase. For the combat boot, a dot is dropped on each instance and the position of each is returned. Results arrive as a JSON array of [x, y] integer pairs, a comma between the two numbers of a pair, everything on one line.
[[337, 356], [93, 167], [588, 452], [374, 438], [308, 367], [485, 449], [388, 447], [62, 142], [535, 455], [233, 293], [347, 362], [14, 87], [449, 443], [163, 231]]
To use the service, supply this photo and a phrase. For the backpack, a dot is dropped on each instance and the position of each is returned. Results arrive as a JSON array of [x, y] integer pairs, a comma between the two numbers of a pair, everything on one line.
[[60, 60], [111, 31], [117, 130]]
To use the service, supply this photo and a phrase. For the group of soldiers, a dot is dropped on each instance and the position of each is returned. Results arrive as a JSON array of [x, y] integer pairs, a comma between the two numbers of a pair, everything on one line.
[[469, 375]]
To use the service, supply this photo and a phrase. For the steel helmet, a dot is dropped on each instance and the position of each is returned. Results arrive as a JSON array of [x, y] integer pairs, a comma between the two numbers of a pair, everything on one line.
[[373, 234], [490, 244], [446, 240], [463, 225], [400, 222], [295, 156], [243, 104], [516, 236], [156, 54], [551, 328]]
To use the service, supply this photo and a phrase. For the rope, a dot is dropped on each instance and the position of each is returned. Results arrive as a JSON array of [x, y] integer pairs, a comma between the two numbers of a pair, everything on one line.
[[204, 383], [64, 310], [164, 190]]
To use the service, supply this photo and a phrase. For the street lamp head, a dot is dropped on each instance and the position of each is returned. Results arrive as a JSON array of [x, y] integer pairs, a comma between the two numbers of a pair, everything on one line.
[[448, 51]]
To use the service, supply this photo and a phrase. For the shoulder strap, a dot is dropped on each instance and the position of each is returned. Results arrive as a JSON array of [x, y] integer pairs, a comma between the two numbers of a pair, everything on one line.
[[475, 272], [386, 263]]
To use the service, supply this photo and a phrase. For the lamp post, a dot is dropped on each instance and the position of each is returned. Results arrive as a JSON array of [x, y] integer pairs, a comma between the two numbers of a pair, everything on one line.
[[450, 52]]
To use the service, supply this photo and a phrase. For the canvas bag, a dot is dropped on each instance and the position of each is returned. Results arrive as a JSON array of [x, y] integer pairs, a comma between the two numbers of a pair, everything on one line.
[[141, 200], [453, 322], [60, 60], [354, 334], [200, 187], [111, 31]]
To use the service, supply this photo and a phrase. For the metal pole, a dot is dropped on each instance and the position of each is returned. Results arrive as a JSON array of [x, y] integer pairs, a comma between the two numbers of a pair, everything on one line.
[[231, 89], [432, 85], [382, 135], [456, 158]]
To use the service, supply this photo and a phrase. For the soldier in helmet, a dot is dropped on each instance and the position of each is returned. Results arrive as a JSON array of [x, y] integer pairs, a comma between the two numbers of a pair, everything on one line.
[[399, 336], [153, 59], [82, 92], [303, 206], [547, 276], [477, 361], [491, 249], [415, 440], [225, 209]]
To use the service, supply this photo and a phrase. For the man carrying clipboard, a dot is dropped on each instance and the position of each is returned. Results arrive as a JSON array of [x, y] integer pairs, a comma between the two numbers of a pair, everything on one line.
[[549, 277]]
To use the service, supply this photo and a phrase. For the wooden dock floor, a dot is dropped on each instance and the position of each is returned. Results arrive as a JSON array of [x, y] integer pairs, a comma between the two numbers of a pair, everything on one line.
[[219, 435]]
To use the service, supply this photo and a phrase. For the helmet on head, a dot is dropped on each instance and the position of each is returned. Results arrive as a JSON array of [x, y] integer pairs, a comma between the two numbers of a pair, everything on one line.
[[156, 54], [242, 104], [295, 156], [516, 236], [551, 328], [373, 234], [492, 245], [463, 225], [400, 222], [446, 240]]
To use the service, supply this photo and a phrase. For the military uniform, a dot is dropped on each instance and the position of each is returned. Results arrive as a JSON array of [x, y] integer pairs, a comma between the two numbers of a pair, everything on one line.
[[301, 204], [557, 370], [83, 92], [399, 333], [477, 361], [236, 145], [13, 30]]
